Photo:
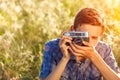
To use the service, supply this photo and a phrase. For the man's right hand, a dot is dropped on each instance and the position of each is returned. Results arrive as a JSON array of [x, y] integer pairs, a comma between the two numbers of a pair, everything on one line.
[[65, 48]]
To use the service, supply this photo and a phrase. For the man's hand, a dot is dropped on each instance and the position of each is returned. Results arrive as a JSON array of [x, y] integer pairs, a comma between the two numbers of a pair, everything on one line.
[[58, 70], [86, 51], [64, 48]]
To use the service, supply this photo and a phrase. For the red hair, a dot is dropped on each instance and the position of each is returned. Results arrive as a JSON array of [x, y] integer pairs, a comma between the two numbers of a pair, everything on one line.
[[88, 16]]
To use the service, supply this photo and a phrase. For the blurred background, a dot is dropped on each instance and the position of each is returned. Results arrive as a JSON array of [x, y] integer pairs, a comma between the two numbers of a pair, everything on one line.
[[25, 26]]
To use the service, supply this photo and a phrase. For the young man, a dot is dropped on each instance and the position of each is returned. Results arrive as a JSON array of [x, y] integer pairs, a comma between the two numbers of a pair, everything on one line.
[[93, 61]]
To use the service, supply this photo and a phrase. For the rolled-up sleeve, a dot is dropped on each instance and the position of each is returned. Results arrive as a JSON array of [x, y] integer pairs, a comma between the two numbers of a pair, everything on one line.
[[110, 60]]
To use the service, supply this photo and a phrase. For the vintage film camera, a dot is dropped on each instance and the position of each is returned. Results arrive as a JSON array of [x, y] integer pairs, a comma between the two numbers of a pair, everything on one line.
[[78, 37]]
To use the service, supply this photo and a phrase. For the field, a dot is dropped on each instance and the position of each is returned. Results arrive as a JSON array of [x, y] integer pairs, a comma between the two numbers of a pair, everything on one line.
[[25, 26]]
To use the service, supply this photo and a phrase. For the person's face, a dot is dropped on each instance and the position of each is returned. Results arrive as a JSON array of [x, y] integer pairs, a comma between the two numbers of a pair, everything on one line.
[[95, 32]]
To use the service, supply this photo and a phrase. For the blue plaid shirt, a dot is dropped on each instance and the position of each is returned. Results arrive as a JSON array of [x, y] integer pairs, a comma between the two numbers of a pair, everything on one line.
[[75, 70]]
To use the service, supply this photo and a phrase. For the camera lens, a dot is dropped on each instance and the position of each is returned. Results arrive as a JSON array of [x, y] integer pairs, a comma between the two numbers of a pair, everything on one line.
[[78, 41]]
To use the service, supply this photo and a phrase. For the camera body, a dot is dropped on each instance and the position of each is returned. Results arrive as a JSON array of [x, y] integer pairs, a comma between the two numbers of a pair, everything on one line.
[[78, 37]]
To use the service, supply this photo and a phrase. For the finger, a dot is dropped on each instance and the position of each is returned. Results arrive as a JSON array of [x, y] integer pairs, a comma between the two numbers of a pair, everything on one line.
[[76, 48], [81, 59], [78, 54], [87, 44], [73, 48], [62, 44], [65, 40], [75, 52], [76, 57], [69, 48], [80, 47]]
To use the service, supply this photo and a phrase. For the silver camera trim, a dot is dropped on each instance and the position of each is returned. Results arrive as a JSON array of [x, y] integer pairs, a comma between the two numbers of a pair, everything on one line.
[[74, 33]]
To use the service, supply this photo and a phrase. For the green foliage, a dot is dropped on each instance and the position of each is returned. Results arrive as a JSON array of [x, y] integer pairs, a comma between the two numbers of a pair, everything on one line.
[[25, 26]]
